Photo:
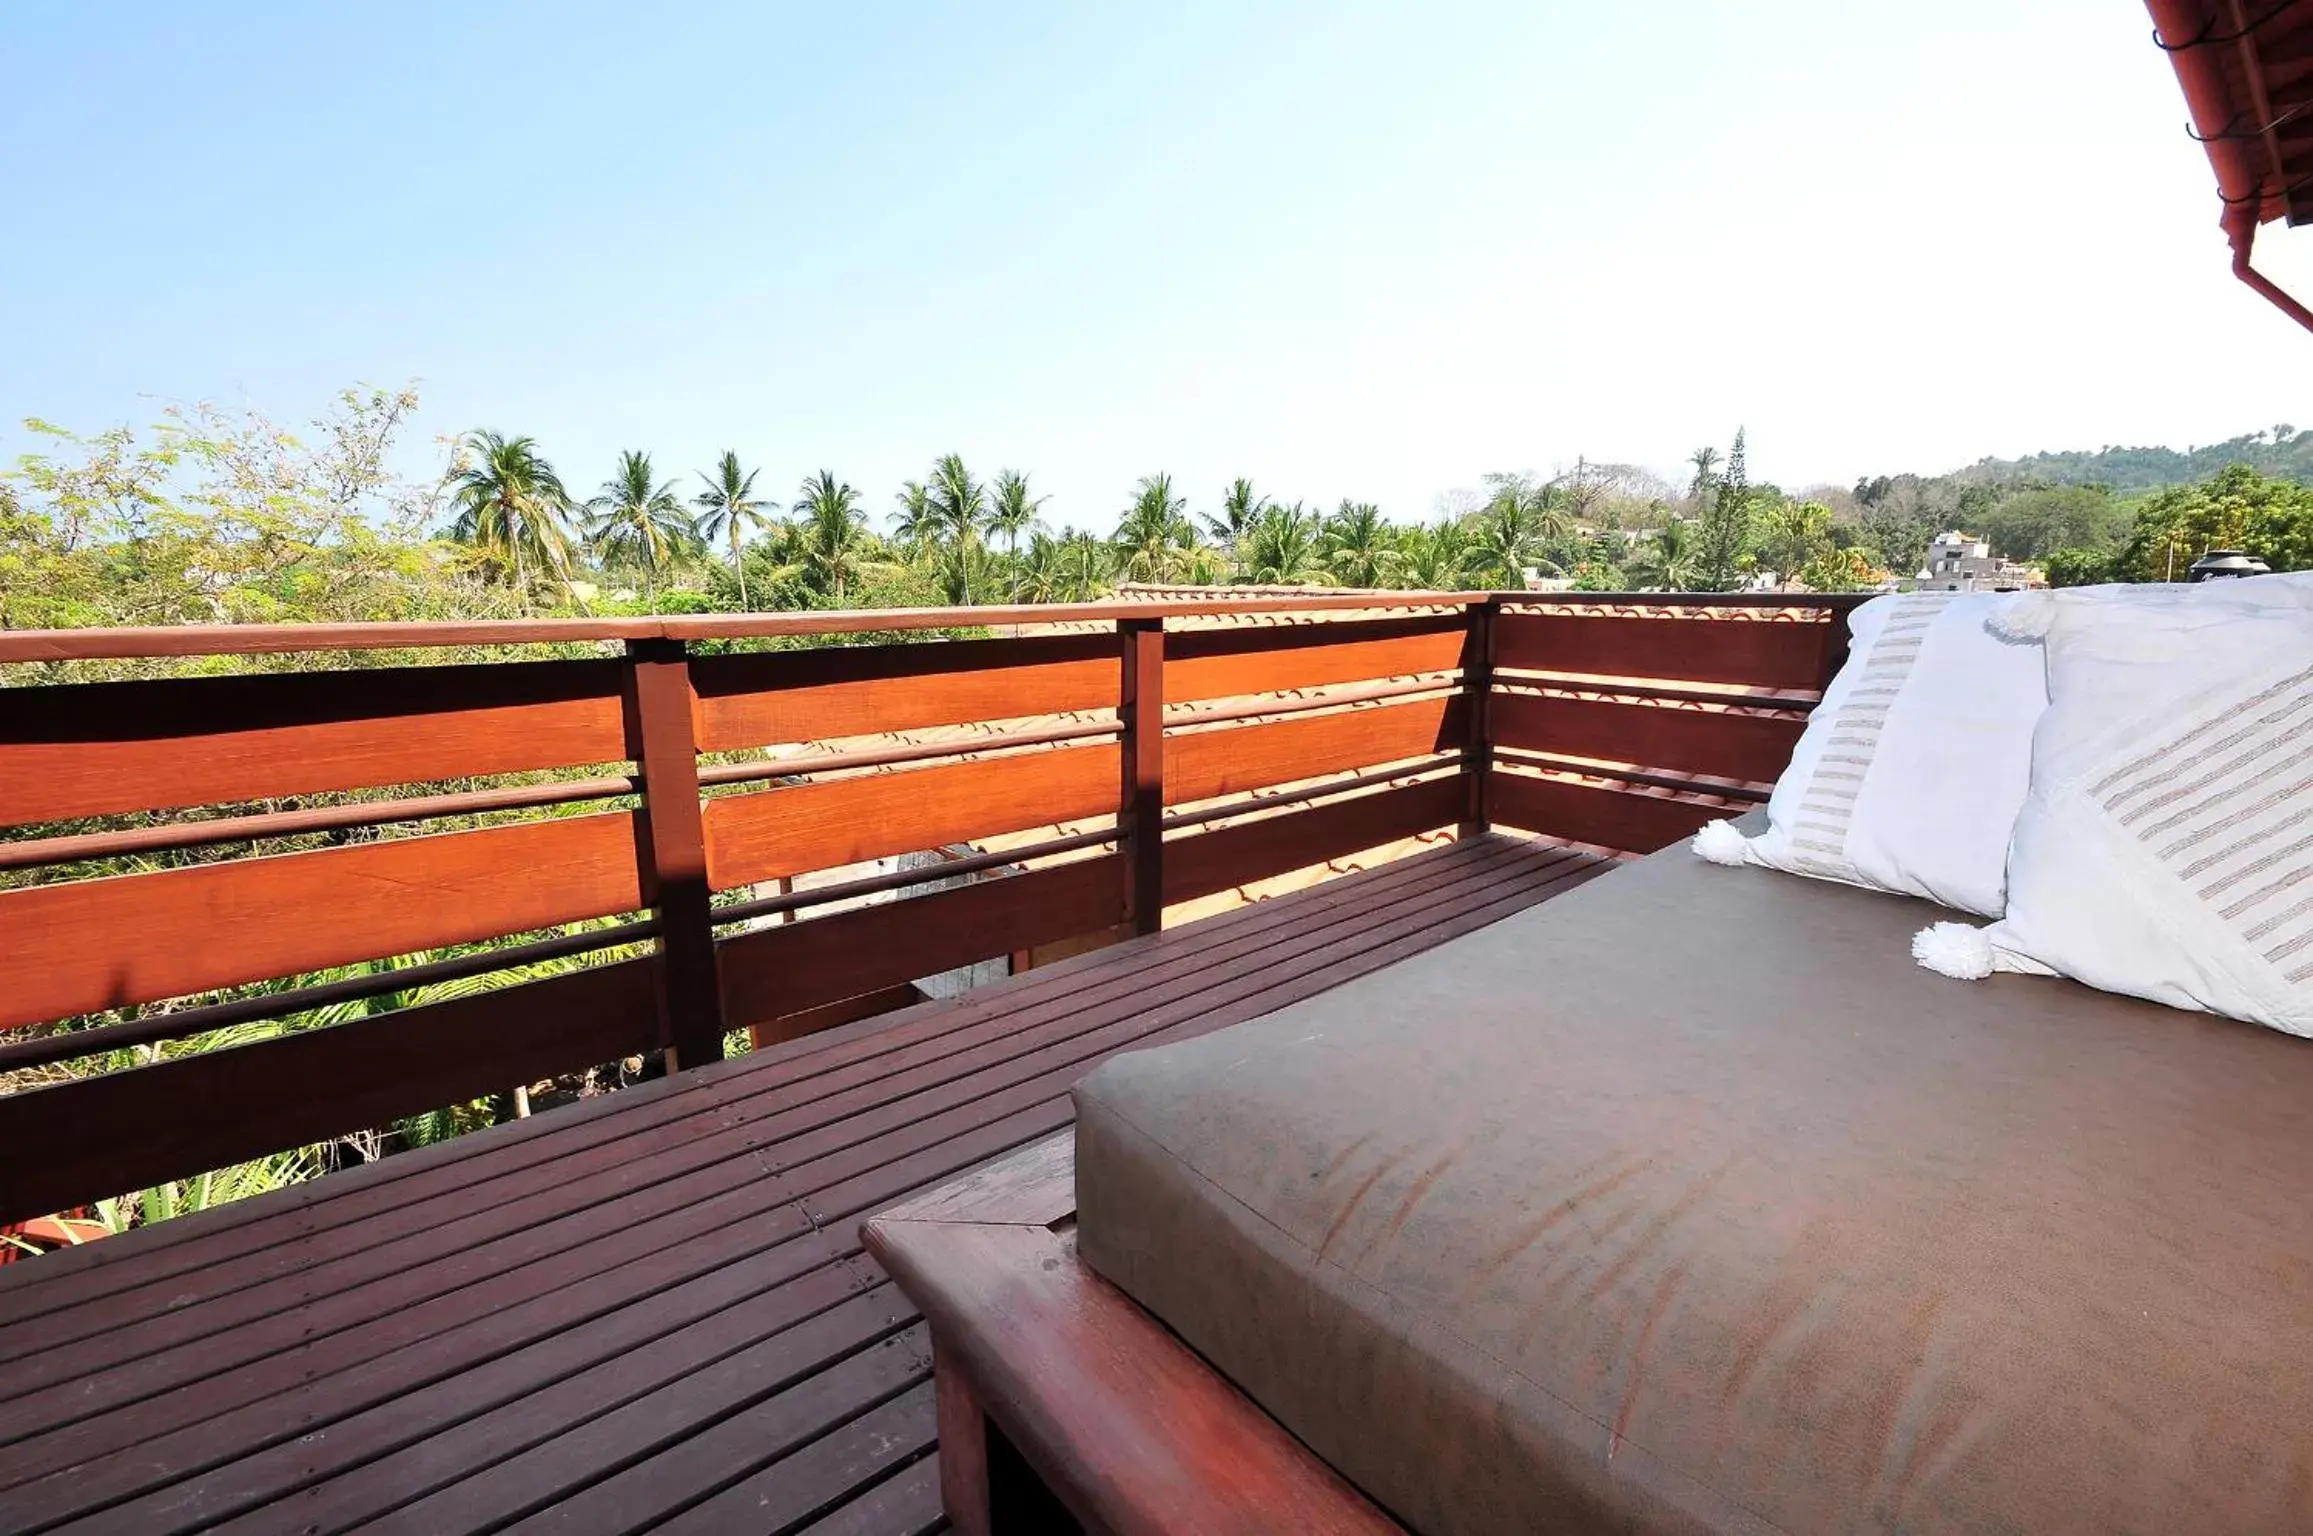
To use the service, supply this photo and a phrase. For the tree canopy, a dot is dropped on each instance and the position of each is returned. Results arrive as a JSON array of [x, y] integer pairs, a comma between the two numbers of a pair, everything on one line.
[[213, 515]]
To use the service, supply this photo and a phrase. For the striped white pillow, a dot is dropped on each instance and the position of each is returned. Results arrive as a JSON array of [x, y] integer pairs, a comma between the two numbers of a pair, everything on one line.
[[1910, 772], [2166, 847]]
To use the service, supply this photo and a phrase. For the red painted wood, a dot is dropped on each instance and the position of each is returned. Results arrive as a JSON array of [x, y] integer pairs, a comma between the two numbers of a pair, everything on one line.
[[382, 1345], [1682, 739], [660, 710], [88, 945], [1225, 663], [187, 1116], [278, 639], [827, 825], [1231, 759], [1633, 820], [91, 749], [1146, 762], [1123, 1421], [231, 1246], [789, 967], [1205, 862], [1756, 652], [791, 696]]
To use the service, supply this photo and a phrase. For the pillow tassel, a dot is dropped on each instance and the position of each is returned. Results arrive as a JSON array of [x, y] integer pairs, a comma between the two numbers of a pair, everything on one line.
[[1719, 843], [1953, 949]]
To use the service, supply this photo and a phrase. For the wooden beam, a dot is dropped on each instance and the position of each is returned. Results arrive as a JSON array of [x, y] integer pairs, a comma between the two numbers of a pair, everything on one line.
[[97, 1136], [1116, 1418], [671, 843], [1477, 689], [1143, 713]]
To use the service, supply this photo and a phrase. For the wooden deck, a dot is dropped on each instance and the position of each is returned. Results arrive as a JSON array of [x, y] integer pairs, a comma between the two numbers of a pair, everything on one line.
[[648, 1312]]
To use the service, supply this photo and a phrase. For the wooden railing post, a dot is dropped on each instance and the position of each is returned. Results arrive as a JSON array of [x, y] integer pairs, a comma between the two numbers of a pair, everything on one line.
[[1141, 708], [1478, 685], [672, 844]]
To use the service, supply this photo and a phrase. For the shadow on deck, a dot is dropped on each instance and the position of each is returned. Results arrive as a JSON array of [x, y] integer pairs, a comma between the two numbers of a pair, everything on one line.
[[647, 1312]]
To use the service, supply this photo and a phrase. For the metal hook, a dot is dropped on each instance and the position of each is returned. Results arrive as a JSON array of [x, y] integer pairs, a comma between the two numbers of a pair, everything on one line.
[[2207, 33], [2228, 133]]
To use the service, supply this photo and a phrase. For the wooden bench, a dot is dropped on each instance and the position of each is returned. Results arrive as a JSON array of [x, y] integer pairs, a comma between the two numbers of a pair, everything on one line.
[[1062, 1405]]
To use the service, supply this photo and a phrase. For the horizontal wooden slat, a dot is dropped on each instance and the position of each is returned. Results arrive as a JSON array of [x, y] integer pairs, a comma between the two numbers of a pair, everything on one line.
[[1224, 663], [1632, 820], [278, 639], [1689, 740], [92, 944], [1762, 653], [783, 696], [92, 749], [794, 966], [1215, 861], [196, 1113], [1230, 759], [802, 827]]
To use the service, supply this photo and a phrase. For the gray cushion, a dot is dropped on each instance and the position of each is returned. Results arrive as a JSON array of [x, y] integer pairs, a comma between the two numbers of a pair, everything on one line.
[[1687, 1202]]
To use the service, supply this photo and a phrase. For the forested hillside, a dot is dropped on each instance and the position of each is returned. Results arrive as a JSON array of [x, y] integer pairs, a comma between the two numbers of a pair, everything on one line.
[[2281, 452]]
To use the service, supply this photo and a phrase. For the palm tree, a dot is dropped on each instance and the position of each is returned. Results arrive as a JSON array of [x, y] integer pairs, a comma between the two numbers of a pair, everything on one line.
[[962, 572], [728, 510], [1041, 575], [1360, 548], [510, 502], [1706, 481], [1435, 557], [831, 542], [638, 518], [959, 504], [1240, 506], [914, 527], [1503, 545], [1670, 559], [1086, 562], [1281, 546], [1014, 510], [1155, 534]]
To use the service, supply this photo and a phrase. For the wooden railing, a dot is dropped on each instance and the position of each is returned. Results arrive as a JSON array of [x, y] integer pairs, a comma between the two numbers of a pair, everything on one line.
[[1123, 758]]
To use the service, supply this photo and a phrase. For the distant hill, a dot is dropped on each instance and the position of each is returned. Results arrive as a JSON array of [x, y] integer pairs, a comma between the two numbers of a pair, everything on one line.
[[2281, 451]]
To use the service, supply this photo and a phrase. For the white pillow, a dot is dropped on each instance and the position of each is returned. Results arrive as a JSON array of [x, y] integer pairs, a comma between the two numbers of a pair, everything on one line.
[[1911, 771], [2166, 848]]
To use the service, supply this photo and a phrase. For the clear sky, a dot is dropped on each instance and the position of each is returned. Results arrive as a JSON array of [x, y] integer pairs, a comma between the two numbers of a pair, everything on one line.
[[1343, 248]]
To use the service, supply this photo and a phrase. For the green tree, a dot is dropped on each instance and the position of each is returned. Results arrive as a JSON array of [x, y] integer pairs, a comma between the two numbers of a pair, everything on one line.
[[2078, 568], [1703, 489], [1241, 506], [2031, 523], [509, 503], [1014, 511], [638, 518], [1086, 564], [729, 511], [2237, 508], [832, 546], [1669, 561], [1838, 570], [959, 504], [1725, 529], [1795, 533], [1435, 557], [915, 525], [1041, 575], [1281, 547], [1155, 536], [1359, 547]]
